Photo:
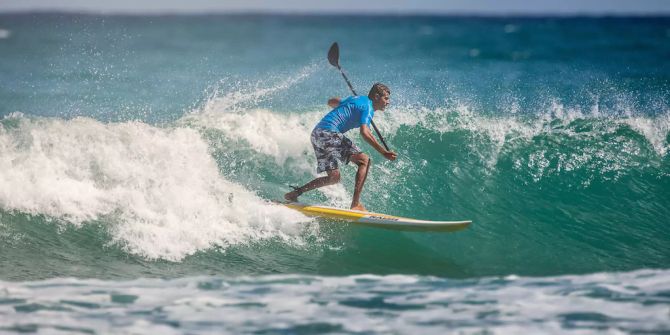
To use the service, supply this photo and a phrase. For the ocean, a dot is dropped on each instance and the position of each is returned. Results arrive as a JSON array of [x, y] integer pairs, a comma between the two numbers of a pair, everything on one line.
[[139, 157]]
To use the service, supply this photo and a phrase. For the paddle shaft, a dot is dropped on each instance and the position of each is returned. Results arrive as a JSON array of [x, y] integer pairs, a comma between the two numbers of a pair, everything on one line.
[[371, 122]]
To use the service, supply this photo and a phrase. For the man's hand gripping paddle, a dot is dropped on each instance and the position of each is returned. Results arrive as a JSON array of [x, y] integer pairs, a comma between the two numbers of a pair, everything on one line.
[[334, 60]]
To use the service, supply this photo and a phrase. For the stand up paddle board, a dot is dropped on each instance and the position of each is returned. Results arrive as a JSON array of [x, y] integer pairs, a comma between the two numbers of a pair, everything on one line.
[[377, 219]]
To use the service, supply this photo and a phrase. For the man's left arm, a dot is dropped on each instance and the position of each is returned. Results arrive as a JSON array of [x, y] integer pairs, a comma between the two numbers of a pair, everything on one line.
[[367, 136]]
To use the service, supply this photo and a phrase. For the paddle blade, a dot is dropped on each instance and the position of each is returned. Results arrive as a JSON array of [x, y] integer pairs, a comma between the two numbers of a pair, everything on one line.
[[334, 55]]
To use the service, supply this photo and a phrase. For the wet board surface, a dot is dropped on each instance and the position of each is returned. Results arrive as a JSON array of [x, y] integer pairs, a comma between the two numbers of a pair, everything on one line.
[[377, 219]]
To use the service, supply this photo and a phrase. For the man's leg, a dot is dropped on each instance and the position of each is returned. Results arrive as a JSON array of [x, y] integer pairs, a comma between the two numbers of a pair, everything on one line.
[[363, 162], [333, 177]]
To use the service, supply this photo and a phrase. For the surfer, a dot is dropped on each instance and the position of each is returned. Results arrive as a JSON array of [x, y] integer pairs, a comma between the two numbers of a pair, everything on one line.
[[331, 145]]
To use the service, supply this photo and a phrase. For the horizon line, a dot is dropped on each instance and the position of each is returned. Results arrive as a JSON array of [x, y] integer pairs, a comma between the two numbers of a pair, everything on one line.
[[491, 14]]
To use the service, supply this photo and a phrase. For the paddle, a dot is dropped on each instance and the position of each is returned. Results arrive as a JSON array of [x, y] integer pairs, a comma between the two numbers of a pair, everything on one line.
[[334, 60]]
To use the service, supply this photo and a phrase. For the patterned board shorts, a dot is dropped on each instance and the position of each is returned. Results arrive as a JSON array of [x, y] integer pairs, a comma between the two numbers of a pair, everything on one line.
[[330, 146]]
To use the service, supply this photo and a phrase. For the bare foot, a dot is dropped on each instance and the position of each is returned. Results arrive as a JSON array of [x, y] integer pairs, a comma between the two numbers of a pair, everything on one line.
[[292, 196], [359, 207]]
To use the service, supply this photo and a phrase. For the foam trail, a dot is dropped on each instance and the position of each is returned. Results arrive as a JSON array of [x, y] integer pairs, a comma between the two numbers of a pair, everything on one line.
[[158, 190]]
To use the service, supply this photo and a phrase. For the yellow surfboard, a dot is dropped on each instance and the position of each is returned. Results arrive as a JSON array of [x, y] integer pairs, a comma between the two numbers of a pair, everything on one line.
[[377, 219]]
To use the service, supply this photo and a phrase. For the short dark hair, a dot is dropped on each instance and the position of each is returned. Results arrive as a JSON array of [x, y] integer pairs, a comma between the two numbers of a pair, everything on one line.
[[378, 88]]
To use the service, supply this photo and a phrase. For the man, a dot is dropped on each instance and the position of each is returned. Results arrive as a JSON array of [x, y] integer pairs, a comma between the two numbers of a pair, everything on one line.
[[331, 145]]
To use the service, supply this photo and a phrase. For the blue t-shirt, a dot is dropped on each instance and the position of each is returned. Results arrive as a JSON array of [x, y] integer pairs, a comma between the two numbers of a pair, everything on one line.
[[353, 112]]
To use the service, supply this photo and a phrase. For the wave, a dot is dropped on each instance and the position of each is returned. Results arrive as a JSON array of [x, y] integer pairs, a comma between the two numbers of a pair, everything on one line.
[[157, 190], [559, 141], [584, 185]]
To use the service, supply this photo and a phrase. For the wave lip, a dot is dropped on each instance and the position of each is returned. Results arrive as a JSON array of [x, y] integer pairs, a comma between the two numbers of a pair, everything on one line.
[[611, 302]]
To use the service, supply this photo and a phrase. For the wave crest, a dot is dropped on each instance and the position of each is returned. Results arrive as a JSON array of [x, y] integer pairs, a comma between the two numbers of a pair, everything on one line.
[[158, 190]]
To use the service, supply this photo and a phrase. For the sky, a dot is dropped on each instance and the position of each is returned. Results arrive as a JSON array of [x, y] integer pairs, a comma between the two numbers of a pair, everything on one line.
[[486, 7]]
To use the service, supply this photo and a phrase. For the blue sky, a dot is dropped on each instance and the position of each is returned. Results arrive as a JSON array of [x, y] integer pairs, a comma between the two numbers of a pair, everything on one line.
[[558, 7]]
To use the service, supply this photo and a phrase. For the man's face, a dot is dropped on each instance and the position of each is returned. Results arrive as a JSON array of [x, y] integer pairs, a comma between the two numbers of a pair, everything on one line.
[[380, 101]]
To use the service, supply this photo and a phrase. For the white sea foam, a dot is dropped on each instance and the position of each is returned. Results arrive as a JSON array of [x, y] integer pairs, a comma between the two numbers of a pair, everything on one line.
[[613, 303], [5, 33], [158, 189], [277, 135], [655, 130]]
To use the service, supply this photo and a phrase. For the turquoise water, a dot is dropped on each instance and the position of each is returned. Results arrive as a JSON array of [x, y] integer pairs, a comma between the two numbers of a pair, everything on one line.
[[142, 151]]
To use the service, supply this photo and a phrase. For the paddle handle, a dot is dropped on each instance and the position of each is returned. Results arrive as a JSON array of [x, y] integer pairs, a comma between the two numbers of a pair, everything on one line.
[[347, 80]]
